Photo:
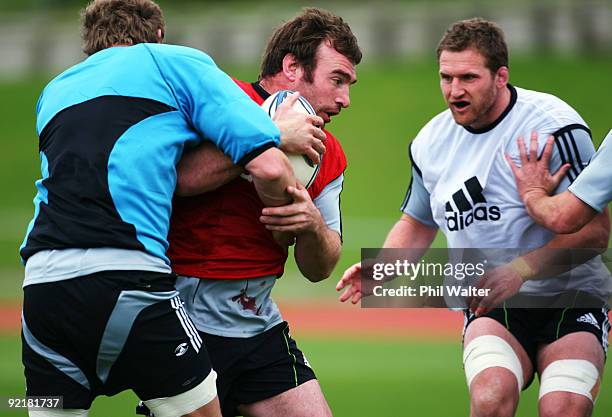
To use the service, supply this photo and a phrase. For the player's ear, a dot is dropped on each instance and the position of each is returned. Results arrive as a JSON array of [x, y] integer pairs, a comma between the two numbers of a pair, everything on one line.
[[502, 76], [160, 35], [290, 67]]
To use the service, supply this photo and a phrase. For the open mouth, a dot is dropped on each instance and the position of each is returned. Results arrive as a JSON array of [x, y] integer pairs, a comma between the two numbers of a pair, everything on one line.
[[460, 105]]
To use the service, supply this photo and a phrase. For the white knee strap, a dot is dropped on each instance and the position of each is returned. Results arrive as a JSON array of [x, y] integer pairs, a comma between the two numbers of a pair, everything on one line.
[[578, 376], [485, 352], [58, 412], [188, 401]]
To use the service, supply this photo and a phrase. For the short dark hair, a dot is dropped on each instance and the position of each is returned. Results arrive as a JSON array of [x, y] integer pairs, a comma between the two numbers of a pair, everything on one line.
[[302, 35], [484, 36], [120, 22]]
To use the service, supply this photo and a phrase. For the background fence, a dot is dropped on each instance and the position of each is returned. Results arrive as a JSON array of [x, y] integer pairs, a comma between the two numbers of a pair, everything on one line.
[[44, 36]]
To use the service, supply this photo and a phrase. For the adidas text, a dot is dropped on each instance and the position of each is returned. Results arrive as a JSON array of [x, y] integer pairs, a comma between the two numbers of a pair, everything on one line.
[[460, 220]]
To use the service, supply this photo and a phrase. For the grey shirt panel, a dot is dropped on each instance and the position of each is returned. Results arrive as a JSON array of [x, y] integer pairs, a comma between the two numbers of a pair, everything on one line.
[[328, 203], [416, 203], [230, 307], [594, 184]]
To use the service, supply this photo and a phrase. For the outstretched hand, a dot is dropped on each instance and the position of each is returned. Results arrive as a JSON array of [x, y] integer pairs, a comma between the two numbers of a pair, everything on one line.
[[356, 287], [351, 280], [534, 177]]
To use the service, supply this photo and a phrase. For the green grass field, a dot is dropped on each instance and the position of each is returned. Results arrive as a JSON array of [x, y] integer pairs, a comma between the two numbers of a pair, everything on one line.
[[360, 377], [390, 103]]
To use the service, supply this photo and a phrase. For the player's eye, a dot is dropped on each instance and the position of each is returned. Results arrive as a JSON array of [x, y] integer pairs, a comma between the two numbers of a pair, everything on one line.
[[446, 78]]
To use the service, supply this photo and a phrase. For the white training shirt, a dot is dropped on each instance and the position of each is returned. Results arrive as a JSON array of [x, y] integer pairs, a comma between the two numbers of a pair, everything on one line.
[[463, 184]]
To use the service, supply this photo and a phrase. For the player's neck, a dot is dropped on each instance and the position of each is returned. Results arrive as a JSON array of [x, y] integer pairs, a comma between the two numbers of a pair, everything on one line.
[[273, 84], [499, 107]]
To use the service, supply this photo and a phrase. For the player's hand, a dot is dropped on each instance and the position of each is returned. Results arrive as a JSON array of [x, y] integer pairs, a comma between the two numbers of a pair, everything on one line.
[[356, 287], [533, 178], [299, 217], [300, 133], [351, 280], [502, 282]]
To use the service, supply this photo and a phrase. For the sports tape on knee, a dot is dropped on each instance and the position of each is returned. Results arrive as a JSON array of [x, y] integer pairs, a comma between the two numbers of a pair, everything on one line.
[[578, 376], [485, 352], [58, 412], [188, 401]]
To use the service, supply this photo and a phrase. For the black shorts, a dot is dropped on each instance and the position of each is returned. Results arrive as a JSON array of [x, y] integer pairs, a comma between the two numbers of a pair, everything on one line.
[[106, 332], [535, 327], [255, 368]]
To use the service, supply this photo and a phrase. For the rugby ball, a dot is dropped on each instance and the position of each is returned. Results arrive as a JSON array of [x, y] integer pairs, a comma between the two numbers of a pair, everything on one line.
[[305, 170]]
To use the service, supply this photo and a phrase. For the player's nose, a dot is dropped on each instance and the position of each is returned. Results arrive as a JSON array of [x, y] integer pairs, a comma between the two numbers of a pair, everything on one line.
[[456, 89], [344, 99]]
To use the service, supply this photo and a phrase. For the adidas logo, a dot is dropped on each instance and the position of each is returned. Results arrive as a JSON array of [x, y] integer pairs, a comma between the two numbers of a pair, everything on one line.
[[467, 213], [590, 319]]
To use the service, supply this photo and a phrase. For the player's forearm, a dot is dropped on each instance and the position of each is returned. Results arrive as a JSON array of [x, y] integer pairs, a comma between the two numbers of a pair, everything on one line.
[[407, 233], [565, 252], [562, 213], [317, 253], [410, 233], [272, 174], [595, 234], [204, 169]]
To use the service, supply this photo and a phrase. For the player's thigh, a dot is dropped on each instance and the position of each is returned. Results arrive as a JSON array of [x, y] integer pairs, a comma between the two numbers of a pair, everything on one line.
[[578, 345], [487, 326], [576, 333], [570, 374], [274, 365], [306, 400], [571, 365], [161, 352], [61, 327]]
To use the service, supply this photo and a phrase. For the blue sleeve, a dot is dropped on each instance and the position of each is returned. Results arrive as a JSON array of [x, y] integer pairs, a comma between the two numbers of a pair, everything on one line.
[[594, 184], [215, 105]]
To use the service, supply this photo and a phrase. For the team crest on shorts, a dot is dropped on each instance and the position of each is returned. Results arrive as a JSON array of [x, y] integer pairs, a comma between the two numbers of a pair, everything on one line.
[[181, 349]]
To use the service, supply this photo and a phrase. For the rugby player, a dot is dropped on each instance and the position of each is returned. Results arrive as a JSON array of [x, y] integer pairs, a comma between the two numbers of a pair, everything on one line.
[[570, 210], [222, 245], [100, 310], [463, 185]]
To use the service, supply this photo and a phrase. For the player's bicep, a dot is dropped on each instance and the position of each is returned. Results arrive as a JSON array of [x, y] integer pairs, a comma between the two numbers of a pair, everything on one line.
[[328, 203], [217, 108], [574, 146]]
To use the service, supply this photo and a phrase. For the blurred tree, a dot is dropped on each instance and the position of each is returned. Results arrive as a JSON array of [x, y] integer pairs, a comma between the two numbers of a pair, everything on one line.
[[584, 13], [542, 18]]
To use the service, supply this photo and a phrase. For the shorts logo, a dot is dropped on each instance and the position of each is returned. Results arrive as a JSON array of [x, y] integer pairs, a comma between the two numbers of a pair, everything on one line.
[[181, 349], [467, 213], [590, 319]]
